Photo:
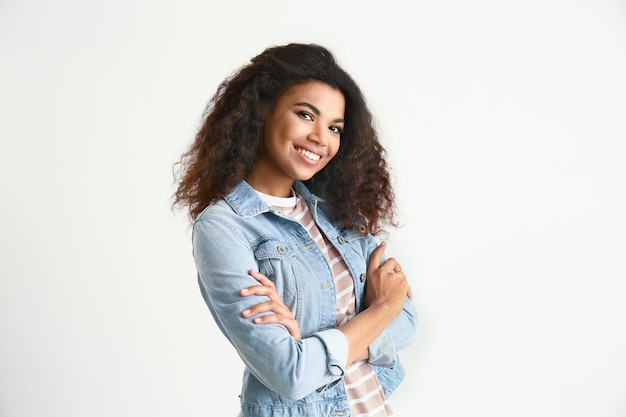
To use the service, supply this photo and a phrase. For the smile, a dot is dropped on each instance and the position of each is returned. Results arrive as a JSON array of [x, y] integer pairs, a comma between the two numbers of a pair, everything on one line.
[[312, 156]]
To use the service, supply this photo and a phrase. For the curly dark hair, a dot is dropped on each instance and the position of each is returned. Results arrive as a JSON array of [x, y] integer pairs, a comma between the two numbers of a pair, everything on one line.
[[356, 183]]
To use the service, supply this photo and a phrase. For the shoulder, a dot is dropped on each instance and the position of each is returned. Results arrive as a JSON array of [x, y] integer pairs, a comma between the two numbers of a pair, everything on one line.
[[241, 202], [216, 223], [218, 209]]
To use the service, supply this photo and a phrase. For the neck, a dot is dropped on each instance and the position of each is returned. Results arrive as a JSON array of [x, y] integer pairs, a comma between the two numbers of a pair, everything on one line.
[[275, 187]]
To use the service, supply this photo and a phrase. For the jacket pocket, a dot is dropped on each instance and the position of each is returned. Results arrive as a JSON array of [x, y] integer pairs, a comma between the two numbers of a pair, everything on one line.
[[275, 260]]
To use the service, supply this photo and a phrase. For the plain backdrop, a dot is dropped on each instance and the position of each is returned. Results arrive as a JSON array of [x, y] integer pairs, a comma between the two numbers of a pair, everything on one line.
[[505, 128]]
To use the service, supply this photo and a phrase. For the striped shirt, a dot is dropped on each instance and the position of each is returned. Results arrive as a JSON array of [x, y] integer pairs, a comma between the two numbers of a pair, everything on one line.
[[364, 392]]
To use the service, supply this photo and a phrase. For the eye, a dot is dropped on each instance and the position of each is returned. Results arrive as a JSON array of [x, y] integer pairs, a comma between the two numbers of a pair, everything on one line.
[[305, 115], [336, 129]]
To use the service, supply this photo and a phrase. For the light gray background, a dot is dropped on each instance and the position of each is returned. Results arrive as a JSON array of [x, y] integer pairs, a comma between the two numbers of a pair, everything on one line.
[[504, 122]]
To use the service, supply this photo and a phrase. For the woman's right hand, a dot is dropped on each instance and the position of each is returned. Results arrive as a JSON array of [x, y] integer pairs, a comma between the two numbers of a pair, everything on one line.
[[282, 314], [386, 283]]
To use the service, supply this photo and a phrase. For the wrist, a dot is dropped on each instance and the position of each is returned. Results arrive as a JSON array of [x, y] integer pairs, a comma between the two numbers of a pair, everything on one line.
[[383, 309]]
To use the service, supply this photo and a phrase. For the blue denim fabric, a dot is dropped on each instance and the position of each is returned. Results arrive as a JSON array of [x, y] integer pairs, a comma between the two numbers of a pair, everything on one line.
[[283, 376]]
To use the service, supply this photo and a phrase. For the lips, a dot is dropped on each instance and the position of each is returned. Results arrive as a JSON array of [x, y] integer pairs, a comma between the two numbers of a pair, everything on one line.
[[310, 155]]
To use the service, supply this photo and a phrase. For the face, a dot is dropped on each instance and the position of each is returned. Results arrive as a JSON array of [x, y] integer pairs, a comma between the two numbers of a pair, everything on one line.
[[301, 136]]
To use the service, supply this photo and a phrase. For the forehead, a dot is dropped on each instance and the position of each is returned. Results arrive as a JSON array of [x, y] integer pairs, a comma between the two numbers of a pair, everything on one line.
[[313, 92]]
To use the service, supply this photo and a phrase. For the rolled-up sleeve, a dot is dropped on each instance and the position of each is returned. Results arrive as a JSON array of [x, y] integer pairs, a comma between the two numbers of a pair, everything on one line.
[[292, 368], [337, 350], [398, 335]]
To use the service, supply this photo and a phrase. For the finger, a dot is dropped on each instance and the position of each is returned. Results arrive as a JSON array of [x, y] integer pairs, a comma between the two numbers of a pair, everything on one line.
[[261, 278], [267, 306], [399, 275], [267, 287], [290, 324], [264, 307], [275, 318], [260, 290], [391, 265], [409, 293], [377, 255]]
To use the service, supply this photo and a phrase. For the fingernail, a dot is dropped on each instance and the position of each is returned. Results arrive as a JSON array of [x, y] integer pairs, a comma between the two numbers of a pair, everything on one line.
[[245, 312]]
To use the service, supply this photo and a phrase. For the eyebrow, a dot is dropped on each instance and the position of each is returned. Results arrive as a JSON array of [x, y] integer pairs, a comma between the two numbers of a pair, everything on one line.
[[317, 111]]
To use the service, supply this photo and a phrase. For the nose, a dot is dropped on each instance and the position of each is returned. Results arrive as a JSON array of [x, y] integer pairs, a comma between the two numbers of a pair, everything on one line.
[[318, 135]]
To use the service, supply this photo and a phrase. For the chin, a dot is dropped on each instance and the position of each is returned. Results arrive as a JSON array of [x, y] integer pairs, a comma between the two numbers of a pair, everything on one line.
[[304, 176]]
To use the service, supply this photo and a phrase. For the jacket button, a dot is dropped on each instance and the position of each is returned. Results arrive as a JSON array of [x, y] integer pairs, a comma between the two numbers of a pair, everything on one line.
[[280, 249], [362, 277], [341, 240]]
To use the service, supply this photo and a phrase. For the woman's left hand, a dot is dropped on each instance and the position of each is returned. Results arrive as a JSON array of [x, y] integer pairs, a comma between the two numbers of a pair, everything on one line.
[[282, 314]]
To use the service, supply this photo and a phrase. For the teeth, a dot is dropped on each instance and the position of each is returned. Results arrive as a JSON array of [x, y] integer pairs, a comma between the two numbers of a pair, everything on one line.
[[312, 156]]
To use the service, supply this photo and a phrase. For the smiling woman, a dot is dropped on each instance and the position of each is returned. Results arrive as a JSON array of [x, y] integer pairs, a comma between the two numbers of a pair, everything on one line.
[[301, 135], [287, 184]]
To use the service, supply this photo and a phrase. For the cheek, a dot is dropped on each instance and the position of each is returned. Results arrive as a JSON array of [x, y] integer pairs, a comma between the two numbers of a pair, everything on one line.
[[334, 147]]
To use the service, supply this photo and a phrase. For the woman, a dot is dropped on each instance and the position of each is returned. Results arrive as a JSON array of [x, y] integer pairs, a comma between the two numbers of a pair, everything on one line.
[[287, 184]]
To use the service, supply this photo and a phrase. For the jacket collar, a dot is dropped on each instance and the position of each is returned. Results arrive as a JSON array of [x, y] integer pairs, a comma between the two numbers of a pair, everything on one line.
[[246, 202]]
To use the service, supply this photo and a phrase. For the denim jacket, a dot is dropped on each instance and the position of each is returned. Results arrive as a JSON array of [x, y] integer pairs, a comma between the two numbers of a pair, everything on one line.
[[284, 376]]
